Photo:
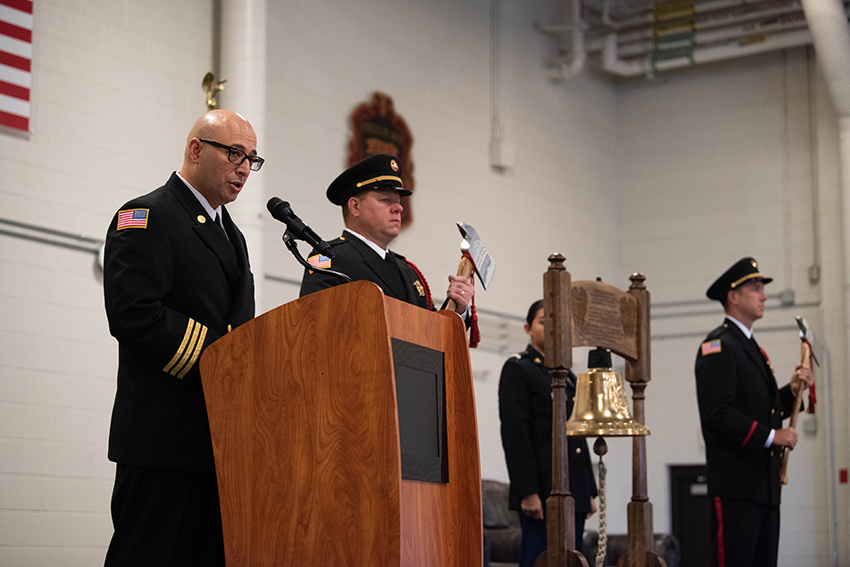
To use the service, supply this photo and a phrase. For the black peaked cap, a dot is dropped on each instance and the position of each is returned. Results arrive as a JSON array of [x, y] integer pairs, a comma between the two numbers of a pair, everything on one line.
[[381, 171], [742, 271]]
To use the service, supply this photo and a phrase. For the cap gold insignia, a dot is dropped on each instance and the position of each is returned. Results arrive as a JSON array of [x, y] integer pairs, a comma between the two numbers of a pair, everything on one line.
[[393, 165], [202, 219], [755, 264]]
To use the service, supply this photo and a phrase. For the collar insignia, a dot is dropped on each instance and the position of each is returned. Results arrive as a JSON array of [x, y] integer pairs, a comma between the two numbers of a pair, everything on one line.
[[419, 287]]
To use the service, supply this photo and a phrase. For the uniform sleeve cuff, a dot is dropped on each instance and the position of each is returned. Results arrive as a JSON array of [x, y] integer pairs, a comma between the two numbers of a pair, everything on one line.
[[769, 441]]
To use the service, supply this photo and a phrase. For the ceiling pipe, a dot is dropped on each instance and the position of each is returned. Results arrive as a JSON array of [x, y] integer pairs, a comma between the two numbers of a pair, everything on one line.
[[570, 37], [778, 12], [707, 38], [650, 16], [831, 33], [831, 36], [606, 16], [645, 66]]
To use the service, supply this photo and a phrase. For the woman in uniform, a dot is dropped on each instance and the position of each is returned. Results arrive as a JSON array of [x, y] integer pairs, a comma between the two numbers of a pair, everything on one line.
[[525, 410]]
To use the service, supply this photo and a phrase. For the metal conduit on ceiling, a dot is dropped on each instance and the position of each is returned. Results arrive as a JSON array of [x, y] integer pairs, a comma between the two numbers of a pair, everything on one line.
[[629, 39]]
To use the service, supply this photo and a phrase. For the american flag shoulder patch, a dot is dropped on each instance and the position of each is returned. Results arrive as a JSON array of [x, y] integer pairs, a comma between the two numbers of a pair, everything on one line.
[[710, 347], [319, 261], [133, 218]]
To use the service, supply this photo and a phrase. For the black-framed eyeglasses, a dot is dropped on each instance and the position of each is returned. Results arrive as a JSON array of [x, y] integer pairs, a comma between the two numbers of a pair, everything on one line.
[[237, 156]]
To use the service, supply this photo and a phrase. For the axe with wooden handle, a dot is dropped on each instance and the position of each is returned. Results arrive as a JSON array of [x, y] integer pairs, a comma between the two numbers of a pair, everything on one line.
[[810, 350], [475, 258]]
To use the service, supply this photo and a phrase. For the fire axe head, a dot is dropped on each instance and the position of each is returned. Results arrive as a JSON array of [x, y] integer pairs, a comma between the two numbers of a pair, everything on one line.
[[482, 262], [808, 336]]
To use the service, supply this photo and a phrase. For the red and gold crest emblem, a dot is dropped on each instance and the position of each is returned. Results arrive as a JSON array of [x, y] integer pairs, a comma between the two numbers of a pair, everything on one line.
[[377, 129]]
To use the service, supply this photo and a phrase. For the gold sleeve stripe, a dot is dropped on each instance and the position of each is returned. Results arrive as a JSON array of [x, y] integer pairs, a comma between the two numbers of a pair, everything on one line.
[[188, 351], [199, 346], [179, 352]]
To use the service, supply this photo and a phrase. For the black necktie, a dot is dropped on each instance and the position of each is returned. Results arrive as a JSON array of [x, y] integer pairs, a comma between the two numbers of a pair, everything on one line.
[[220, 225], [390, 259], [217, 222]]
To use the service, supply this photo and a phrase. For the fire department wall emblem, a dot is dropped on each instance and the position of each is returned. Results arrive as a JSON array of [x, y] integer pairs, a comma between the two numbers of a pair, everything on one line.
[[377, 129]]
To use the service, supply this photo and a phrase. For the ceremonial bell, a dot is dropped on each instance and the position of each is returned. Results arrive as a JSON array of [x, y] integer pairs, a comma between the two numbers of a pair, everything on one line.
[[601, 408]]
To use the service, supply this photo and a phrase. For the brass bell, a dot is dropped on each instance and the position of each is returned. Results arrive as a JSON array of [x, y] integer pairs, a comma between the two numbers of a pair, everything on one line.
[[601, 408]]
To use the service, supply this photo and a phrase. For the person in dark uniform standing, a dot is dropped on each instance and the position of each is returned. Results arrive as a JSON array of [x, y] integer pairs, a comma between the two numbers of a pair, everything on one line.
[[525, 410], [741, 412], [176, 278], [370, 193]]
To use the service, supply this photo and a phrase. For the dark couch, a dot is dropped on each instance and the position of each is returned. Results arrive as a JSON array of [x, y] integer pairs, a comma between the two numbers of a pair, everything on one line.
[[502, 534], [501, 526]]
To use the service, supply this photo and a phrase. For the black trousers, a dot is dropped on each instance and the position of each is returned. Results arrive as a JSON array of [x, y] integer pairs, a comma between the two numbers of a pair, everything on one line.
[[744, 533], [165, 518]]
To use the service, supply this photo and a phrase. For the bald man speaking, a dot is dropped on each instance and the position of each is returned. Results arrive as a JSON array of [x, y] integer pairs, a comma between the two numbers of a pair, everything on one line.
[[176, 278]]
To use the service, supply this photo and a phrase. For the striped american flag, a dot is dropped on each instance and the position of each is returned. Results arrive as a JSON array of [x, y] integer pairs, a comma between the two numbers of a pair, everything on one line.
[[15, 63], [132, 218], [319, 261], [710, 347]]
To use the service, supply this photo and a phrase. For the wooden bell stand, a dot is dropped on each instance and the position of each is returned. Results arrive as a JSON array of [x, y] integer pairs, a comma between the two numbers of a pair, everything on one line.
[[593, 313]]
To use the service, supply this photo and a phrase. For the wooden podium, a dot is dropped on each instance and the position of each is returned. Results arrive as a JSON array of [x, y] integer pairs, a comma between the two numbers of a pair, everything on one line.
[[309, 447]]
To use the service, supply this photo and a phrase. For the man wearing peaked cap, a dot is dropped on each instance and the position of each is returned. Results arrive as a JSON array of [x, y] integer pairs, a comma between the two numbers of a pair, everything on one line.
[[176, 277], [370, 193], [378, 171], [741, 412], [744, 270]]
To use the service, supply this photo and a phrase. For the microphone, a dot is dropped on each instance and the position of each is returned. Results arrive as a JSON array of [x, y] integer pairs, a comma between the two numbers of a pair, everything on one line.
[[283, 212]]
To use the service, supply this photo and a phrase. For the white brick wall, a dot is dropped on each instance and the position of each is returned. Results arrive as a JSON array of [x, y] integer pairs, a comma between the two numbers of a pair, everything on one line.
[[675, 178], [715, 166], [116, 87]]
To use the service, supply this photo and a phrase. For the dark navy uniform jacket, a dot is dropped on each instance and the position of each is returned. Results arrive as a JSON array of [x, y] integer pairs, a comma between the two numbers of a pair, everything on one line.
[[171, 288], [358, 261], [739, 403], [525, 409]]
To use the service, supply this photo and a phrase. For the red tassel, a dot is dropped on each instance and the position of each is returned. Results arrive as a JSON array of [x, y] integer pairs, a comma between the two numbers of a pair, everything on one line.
[[812, 397], [475, 334]]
